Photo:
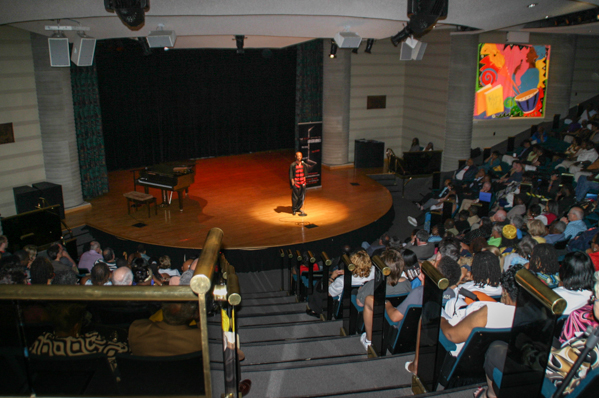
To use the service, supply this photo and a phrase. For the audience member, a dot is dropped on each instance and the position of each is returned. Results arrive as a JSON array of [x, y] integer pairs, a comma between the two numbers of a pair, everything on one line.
[[122, 276], [171, 336], [420, 246], [42, 271], [576, 274], [89, 258], [574, 222], [544, 263]]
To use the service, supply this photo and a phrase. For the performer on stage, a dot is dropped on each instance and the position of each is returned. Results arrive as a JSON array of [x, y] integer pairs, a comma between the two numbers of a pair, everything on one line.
[[297, 180]]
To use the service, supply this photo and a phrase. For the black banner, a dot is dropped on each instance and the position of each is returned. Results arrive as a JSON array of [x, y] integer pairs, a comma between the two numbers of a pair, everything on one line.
[[310, 145]]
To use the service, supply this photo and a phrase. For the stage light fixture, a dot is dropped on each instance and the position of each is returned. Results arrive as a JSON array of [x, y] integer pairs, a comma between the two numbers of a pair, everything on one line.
[[239, 40], [145, 47], [333, 52], [369, 44], [130, 12], [401, 36]]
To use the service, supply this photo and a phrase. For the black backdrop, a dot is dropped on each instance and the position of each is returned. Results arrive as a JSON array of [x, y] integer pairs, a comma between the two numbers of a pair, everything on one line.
[[181, 104]]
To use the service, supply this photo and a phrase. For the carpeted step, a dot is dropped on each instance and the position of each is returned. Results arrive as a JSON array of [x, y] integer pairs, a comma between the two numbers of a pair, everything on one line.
[[253, 334], [286, 308], [260, 295], [250, 302], [270, 320], [317, 380]]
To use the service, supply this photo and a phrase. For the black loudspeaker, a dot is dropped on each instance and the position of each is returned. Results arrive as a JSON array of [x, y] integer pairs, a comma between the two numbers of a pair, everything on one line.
[[369, 154], [52, 193], [26, 198]]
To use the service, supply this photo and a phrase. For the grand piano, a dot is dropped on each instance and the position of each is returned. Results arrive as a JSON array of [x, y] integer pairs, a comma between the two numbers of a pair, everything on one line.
[[174, 177]]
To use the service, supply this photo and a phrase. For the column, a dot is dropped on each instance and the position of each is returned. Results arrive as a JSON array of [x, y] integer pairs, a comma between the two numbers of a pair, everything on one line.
[[335, 108], [57, 123]]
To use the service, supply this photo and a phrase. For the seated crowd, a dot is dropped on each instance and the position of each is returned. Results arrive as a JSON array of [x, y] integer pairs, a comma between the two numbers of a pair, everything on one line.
[[536, 216], [167, 329]]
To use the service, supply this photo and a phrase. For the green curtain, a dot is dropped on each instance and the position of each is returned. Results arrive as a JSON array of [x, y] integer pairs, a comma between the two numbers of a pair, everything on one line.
[[308, 84], [88, 126]]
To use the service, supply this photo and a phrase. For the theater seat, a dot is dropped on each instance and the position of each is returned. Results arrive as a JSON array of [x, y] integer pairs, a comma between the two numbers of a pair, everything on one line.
[[76, 375], [400, 337], [467, 367], [175, 375]]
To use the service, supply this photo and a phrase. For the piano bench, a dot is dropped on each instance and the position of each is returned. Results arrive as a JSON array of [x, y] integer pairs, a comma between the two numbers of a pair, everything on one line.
[[140, 198]]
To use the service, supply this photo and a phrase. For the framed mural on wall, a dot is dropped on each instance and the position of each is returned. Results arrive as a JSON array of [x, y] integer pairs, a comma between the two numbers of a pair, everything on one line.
[[511, 81]]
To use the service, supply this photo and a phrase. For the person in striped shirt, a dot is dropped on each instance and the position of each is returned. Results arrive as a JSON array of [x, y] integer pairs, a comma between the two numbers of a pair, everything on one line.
[[298, 172]]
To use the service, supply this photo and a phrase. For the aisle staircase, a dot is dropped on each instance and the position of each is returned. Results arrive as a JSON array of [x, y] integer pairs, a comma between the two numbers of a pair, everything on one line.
[[291, 354]]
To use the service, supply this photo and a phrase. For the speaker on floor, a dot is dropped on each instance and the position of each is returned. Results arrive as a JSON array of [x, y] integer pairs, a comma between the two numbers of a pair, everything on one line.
[[52, 193], [26, 198], [83, 51], [59, 52]]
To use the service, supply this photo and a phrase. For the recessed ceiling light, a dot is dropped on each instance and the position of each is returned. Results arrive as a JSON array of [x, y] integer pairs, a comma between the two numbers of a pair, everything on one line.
[[531, 5], [546, 16]]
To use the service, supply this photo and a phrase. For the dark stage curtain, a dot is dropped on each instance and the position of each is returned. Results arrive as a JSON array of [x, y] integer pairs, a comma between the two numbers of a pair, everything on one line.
[[182, 104], [88, 128], [308, 83]]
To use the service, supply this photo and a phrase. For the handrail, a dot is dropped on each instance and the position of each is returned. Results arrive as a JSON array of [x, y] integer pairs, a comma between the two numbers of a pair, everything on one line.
[[311, 257], [233, 291], [325, 258], [96, 293], [225, 267], [380, 264], [202, 277], [435, 275], [298, 255], [348, 263], [546, 296], [289, 253]]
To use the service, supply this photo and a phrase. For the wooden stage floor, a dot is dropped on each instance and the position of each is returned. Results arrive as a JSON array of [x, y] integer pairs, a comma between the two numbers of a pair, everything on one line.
[[248, 197]]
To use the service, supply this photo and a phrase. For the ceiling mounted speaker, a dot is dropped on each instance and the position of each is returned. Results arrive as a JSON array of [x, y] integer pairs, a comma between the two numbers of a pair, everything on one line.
[[83, 51], [59, 52], [162, 38], [348, 40]]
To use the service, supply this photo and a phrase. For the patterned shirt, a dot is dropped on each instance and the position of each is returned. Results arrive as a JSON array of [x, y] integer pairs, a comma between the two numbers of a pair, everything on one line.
[[89, 343]]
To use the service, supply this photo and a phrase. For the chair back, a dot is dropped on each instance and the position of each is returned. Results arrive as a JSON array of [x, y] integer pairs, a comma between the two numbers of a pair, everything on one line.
[[73, 375], [402, 338], [161, 375]]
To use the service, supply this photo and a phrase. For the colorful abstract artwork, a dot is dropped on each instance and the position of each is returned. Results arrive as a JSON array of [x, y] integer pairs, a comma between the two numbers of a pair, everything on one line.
[[511, 81]]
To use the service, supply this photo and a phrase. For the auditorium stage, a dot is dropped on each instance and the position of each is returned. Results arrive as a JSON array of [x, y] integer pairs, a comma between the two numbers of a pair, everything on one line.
[[249, 198]]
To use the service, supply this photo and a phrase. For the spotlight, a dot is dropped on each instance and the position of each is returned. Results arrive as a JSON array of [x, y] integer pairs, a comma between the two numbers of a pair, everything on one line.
[[130, 12], [333, 52], [239, 39], [401, 36], [369, 44]]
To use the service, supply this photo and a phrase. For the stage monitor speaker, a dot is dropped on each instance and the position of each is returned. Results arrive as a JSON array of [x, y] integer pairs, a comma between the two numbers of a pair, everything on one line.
[[26, 198], [52, 193], [59, 52], [83, 51]]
